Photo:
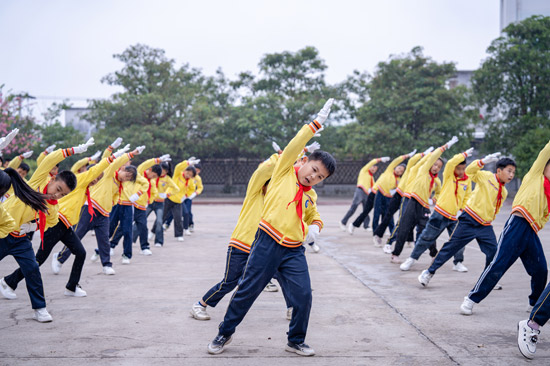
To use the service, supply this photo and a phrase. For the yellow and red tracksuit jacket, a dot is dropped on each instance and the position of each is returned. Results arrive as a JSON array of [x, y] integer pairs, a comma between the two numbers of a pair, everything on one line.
[[456, 191], [165, 184], [388, 180], [198, 184], [365, 181], [186, 186], [143, 201], [402, 186], [7, 223], [424, 183]]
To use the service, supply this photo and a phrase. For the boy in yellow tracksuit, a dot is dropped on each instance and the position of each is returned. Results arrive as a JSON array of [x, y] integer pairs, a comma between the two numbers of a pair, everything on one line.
[[277, 247], [165, 187], [519, 238], [189, 201], [456, 191], [421, 188], [81, 165], [17, 242], [481, 209]]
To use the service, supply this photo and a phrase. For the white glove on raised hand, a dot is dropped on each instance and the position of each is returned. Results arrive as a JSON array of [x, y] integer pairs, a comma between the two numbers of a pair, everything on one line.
[[139, 149], [451, 142], [411, 154], [27, 154], [134, 197], [325, 111], [95, 156], [490, 158], [192, 195], [5, 141], [165, 157], [469, 152], [318, 134], [162, 195], [193, 161], [428, 150], [276, 146], [28, 228], [312, 234], [51, 148], [385, 159], [122, 151], [83, 147], [116, 143], [314, 146]]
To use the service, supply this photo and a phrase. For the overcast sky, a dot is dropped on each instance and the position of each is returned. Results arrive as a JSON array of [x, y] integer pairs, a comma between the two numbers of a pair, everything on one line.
[[63, 48]]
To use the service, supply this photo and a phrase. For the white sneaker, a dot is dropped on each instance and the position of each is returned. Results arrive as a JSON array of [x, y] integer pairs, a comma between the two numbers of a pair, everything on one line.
[[146, 252], [350, 228], [459, 267], [95, 257], [158, 245], [529, 308], [467, 306], [199, 312], [497, 287], [192, 228], [289, 313], [377, 241], [315, 248], [7, 291], [150, 236], [409, 244], [405, 266], [300, 349], [78, 292], [125, 259], [56, 265], [395, 259], [369, 229], [342, 226], [187, 232], [527, 339], [425, 278], [111, 252], [271, 287], [109, 271], [165, 227], [387, 249], [42, 315], [180, 238]]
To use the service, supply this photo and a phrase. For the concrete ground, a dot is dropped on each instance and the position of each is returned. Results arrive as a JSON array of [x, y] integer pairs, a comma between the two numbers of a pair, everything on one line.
[[365, 310]]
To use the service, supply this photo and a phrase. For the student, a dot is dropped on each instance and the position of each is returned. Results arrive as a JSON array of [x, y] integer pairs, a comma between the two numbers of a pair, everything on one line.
[[456, 190], [18, 244], [69, 213], [23, 170], [82, 165], [198, 190], [364, 195], [480, 211], [398, 201], [278, 242], [529, 329], [165, 188], [16, 162], [519, 238]]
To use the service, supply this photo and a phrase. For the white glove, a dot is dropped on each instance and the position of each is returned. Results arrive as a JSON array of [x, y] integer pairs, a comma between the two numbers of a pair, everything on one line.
[[134, 197], [385, 159], [140, 149], [5, 141], [430, 202], [469, 152], [428, 150], [275, 146], [318, 134], [314, 146], [451, 142], [323, 113], [490, 158], [122, 151], [193, 161], [165, 157], [312, 234], [95, 156], [192, 195], [83, 147], [411, 154], [51, 148], [27, 154], [116, 143], [162, 195], [28, 228]]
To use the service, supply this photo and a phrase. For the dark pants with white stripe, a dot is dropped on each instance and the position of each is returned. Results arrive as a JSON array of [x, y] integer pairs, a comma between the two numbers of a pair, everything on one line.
[[387, 219], [402, 208], [415, 215], [139, 229], [541, 310], [363, 218], [359, 197], [517, 240], [381, 204], [120, 225], [427, 239], [467, 230], [266, 258]]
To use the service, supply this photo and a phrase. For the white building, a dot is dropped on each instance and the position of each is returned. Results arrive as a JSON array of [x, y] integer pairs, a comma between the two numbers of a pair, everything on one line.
[[74, 117], [517, 10]]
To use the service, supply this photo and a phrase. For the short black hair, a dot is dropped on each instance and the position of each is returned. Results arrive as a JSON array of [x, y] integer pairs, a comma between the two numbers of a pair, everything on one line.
[[90, 166], [133, 172], [156, 169], [324, 157], [25, 167], [166, 166], [198, 166], [192, 169], [504, 162], [68, 177], [463, 162]]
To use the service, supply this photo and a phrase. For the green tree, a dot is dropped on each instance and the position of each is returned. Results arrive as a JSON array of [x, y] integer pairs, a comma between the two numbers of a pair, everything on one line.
[[514, 85]]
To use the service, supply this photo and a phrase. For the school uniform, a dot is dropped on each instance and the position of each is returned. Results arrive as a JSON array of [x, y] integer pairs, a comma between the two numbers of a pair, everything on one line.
[[189, 202], [365, 185], [173, 205], [164, 184]]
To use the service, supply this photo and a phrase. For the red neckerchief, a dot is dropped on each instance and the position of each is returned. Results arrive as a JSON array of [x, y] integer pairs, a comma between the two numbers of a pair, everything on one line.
[[371, 179], [547, 191], [119, 186], [499, 194], [148, 189], [298, 199], [457, 179], [396, 179], [90, 208], [433, 176], [42, 217]]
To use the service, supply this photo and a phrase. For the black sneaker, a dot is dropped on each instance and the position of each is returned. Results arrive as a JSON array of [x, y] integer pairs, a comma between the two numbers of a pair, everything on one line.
[[302, 349], [217, 345]]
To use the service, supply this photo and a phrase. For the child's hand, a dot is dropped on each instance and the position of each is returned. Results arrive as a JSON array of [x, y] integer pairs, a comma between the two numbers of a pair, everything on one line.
[[385, 159], [121, 152], [314, 146], [490, 158], [325, 111], [469, 152]]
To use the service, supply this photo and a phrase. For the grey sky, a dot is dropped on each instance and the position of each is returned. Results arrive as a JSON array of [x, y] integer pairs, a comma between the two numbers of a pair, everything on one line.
[[63, 48]]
